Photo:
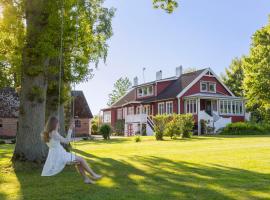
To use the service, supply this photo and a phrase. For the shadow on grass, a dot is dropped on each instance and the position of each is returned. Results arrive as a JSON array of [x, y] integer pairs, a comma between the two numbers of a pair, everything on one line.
[[111, 141], [146, 178]]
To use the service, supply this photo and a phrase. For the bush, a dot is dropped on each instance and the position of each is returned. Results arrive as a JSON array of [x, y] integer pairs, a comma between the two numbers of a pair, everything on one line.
[[137, 139], [94, 125], [120, 127], [105, 130], [187, 124], [173, 127], [160, 122], [2, 142], [246, 128]]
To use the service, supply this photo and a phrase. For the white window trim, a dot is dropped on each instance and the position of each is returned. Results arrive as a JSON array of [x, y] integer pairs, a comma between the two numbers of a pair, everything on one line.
[[167, 105], [119, 113], [229, 104], [107, 117], [208, 86], [147, 89], [163, 108], [190, 103]]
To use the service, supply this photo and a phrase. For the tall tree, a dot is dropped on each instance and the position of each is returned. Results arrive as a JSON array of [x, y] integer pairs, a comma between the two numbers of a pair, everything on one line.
[[12, 33], [257, 71], [234, 76], [29, 145], [121, 86], [92, 24]]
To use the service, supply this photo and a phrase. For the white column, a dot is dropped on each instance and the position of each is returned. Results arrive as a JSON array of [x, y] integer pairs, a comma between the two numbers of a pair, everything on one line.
[[198, 114], [179, 107]]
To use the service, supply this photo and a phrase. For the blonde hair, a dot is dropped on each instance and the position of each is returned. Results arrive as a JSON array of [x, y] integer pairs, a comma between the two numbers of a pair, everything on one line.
[[51, 125]]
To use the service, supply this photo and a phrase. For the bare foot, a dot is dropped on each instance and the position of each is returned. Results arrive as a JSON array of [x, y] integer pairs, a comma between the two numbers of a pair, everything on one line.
[[89, 181], [97, 176]]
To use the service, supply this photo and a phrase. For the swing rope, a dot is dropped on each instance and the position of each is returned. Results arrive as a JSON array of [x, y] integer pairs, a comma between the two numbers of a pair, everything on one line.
[[60, 77]]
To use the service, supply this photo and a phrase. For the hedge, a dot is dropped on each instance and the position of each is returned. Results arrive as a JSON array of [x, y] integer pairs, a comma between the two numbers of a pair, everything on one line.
[[246, 128]]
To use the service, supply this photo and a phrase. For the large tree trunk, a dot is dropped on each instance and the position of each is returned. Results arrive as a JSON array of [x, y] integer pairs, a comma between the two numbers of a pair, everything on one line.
[[29, 145]]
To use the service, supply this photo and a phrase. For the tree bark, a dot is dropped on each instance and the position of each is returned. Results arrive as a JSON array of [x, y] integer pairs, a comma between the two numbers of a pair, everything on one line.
[[29, 145]]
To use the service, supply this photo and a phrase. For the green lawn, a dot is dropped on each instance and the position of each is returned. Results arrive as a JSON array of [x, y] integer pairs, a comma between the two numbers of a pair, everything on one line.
[[198, 168]]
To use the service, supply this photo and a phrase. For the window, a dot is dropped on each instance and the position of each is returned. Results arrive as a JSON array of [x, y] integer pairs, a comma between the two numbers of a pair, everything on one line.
[[169, 107], [107, 117], [131, 110], [146, 109], [161, 109], [191, 106], [1, 123], [208, 87], [119, 113], [138, 110], [77, 123], [231, 107], [145, 91], [203, 87]]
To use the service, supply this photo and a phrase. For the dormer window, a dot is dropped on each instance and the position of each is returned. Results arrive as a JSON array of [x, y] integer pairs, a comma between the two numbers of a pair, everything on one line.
[[208, 87], [145, 91]]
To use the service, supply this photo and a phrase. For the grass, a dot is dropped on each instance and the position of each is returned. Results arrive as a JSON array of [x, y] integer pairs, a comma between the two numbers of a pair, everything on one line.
[[224, 167]]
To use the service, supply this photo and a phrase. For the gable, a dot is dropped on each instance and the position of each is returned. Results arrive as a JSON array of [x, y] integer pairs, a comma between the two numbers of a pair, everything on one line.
[[81, 107], [206, 74], [196, 88]]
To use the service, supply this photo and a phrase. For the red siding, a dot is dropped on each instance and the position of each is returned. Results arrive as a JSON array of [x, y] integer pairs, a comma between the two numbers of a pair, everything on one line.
[[235, 118], [113, 116], [84, 129], [9, 127]]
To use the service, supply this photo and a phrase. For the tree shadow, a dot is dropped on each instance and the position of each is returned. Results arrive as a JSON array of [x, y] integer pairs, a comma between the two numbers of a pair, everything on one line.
[[145, 177]]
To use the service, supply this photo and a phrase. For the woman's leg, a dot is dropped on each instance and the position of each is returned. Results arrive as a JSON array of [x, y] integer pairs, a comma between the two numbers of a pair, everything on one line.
[[82, 172], [86, 167]]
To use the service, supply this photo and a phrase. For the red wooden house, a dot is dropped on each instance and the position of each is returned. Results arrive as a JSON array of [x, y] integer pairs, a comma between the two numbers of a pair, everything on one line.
[[200, 93], [9, 113]]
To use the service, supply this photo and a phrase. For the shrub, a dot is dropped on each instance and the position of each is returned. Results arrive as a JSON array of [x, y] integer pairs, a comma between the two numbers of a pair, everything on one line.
[[120, 127], [187, 124], [160, 122], [105, 130], [137, 139], [173, 127], [246, 128], [2, 142], [94, 129], [95, 125]]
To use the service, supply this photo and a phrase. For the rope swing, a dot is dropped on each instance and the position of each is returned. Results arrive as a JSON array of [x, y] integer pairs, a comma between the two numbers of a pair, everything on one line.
[[72, 143]]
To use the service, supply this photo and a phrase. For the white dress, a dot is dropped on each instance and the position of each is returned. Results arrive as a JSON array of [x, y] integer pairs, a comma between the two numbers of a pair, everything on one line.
[[57, 157]]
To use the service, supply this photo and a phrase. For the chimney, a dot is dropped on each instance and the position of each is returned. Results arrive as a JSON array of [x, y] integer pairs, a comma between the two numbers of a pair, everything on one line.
[[159, 75], [135, 81], [178, 71]]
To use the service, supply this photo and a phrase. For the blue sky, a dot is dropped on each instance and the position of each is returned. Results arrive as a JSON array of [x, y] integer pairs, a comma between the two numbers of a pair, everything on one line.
[[200, 33]]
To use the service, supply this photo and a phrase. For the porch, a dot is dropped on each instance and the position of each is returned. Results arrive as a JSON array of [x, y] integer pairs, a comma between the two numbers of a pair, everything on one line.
[[215, 110]]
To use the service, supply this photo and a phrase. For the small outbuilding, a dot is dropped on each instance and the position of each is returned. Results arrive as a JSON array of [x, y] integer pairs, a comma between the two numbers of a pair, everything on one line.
[[9, 113]]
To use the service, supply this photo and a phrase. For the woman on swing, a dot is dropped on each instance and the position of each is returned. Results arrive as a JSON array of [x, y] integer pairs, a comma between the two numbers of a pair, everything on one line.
[[58, 157]]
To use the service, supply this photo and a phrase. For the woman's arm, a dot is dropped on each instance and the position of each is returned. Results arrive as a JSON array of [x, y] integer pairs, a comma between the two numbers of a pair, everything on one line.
[[65, 140]]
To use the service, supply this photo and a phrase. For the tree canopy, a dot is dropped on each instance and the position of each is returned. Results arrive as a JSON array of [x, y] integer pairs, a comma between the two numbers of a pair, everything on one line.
[[121, 86], [234, 76], [257, 71]]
